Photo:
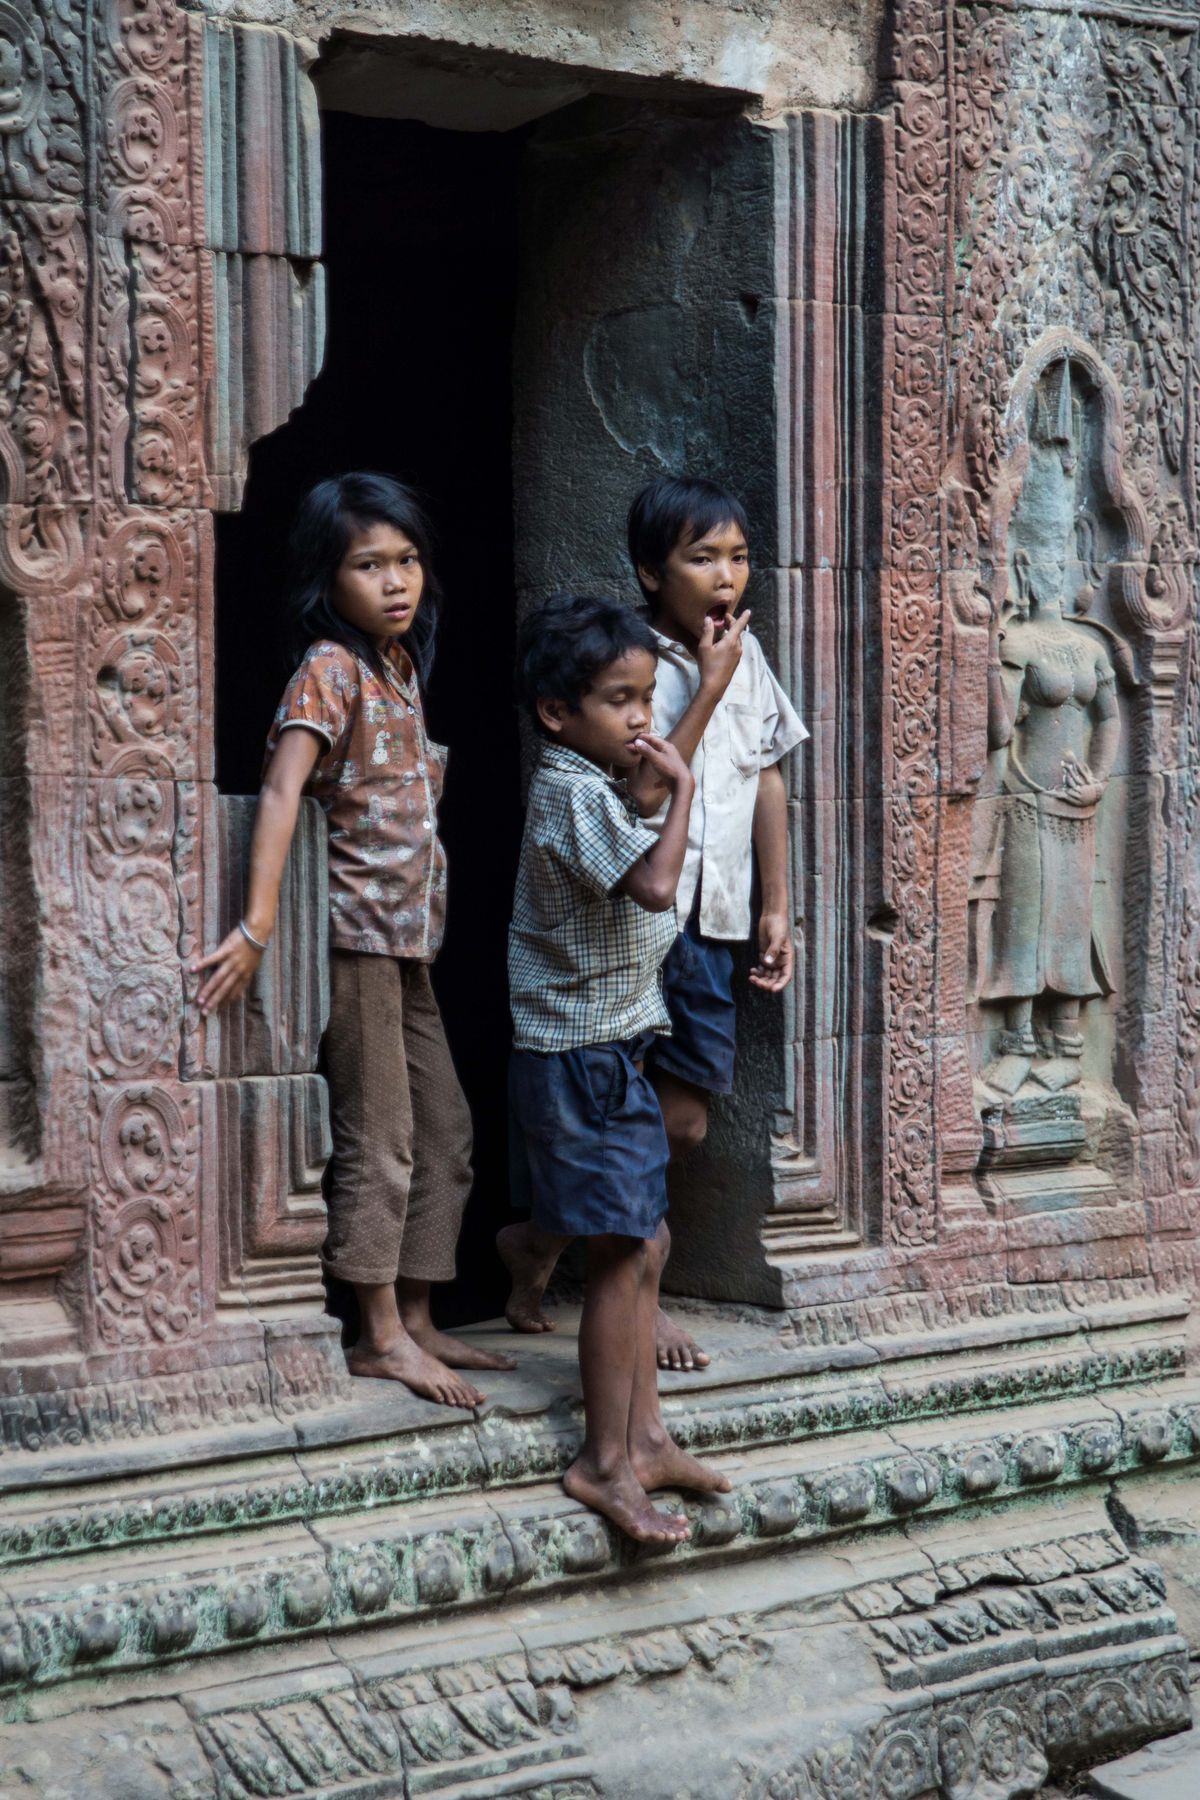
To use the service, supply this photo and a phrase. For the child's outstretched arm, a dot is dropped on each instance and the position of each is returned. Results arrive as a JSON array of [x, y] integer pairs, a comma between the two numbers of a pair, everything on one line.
[[717, 658], [235, 960], [653, 879], [773, 969]]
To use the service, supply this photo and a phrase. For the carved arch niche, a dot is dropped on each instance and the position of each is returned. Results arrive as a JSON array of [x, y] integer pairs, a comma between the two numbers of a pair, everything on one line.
[[1084, 625]]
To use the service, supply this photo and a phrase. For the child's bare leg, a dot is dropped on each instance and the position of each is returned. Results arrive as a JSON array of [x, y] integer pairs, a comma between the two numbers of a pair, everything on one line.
[[656, 1458], [529, 1255], [685, 1115], [385, 1349], [601, 1475], [413, 1299]]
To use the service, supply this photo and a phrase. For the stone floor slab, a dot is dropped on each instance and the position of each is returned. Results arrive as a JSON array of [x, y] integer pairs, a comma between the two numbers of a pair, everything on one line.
[[1168, 1770]]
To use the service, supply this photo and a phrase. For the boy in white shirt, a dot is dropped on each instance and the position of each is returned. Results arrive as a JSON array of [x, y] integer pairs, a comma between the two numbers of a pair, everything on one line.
[[721, 707]]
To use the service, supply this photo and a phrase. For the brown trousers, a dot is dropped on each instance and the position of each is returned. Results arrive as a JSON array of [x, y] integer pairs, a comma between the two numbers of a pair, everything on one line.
[[400, 1171]]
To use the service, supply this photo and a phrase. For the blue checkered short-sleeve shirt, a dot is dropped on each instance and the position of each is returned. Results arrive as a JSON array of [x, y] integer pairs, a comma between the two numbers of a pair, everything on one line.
[[583, 961]]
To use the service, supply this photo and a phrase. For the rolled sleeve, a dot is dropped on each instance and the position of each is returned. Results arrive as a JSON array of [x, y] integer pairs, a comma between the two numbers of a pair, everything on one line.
[[600, 842], [782, 727], [319, 697]]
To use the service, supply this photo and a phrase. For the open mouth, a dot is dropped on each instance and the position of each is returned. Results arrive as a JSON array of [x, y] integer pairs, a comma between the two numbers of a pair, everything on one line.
[[719, 614]]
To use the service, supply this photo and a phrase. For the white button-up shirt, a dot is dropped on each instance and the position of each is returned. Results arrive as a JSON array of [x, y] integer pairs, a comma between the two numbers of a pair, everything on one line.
[[753, 726]]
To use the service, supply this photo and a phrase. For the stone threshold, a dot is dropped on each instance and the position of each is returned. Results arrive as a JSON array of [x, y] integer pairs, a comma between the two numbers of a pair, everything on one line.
[[392, 1447], [755, 1389]]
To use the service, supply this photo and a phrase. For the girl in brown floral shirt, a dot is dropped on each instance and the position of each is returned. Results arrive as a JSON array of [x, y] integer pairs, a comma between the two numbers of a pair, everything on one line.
[[351, 729]]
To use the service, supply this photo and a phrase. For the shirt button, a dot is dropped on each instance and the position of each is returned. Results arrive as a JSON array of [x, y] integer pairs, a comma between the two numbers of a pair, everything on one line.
[[412, 712], [427, 825]]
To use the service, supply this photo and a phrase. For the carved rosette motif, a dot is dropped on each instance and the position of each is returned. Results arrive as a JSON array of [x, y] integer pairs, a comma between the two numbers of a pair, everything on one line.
[[147, 659], [145, 1225], [106, 408], [914, 435]]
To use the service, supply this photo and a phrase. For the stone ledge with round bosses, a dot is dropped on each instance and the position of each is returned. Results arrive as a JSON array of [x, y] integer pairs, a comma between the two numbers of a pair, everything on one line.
[[372, 1559], [473, 1709], [1125, 1432]]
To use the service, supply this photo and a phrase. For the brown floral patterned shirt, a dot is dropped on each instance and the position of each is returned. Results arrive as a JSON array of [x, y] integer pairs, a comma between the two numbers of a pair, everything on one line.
[[379, 781]]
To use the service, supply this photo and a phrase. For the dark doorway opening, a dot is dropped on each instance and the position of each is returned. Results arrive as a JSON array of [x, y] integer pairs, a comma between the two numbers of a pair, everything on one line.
[[421, 260]]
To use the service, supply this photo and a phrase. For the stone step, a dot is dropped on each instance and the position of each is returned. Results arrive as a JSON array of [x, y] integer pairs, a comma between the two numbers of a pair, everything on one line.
[[393, 1448], [790, 1389], [351, 1542], [1166, 1770], [1019, 1641]]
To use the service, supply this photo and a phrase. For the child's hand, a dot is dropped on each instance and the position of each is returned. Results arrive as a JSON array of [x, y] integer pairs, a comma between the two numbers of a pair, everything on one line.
[[234, 963], [664, 759], [773, 970], [720, 651]]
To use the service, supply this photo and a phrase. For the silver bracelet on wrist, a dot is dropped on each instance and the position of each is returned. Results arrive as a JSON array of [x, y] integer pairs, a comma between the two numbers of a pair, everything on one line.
[[249, 935]]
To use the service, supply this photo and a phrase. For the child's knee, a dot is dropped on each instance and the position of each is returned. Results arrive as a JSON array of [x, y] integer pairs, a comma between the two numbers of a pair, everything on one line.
[[687, 1127], [613, 1251], [658, 1248]]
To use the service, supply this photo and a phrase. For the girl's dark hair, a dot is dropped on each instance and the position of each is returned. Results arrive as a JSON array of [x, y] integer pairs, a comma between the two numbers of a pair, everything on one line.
[[677, 510], [563, 645], [327, 518]]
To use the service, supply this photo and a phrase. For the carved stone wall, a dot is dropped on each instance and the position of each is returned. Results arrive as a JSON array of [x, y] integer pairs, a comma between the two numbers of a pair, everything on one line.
[[158, 242], [921, 314], [1035, 341]]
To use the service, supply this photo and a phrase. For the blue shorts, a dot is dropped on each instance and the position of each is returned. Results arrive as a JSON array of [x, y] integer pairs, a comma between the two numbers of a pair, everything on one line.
[[594, 1139], [697, 979]]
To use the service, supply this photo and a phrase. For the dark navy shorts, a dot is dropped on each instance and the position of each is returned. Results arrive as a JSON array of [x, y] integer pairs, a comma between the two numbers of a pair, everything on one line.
[[697, 980], [594, 1139]]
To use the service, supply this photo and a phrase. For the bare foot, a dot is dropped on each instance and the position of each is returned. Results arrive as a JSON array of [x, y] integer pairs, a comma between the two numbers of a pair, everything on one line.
[[664, 1465], [454, 1352], [406, 1361], [676, 1350], [529, 1273], [621, 1498]]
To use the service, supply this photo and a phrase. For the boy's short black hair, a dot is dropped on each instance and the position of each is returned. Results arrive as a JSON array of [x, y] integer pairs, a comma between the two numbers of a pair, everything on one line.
[[563, 645], [677, 510]]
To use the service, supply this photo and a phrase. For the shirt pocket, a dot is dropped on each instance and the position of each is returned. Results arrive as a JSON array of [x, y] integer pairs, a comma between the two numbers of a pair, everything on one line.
[[743, 724]]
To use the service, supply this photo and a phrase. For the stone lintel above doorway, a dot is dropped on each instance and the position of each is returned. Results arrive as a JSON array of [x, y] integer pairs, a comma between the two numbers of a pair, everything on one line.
[[779, 55]]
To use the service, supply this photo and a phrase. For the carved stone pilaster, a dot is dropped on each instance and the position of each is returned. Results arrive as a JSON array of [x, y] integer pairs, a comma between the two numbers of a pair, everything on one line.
[[110, 1240]]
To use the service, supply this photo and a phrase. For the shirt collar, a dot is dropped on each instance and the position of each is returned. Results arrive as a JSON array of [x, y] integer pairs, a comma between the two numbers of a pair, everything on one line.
[[569, 762], [671, 647], [398, 663]]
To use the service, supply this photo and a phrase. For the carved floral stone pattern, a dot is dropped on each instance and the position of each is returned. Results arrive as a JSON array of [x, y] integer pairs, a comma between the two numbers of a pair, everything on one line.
[[105, 545], [913, 454]]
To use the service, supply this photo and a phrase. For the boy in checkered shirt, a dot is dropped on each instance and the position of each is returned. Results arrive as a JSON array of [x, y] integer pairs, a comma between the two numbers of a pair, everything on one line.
[[593, 920]]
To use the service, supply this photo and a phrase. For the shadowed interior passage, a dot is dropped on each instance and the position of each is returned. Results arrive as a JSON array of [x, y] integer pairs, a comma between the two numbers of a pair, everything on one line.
[[420, 235]]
